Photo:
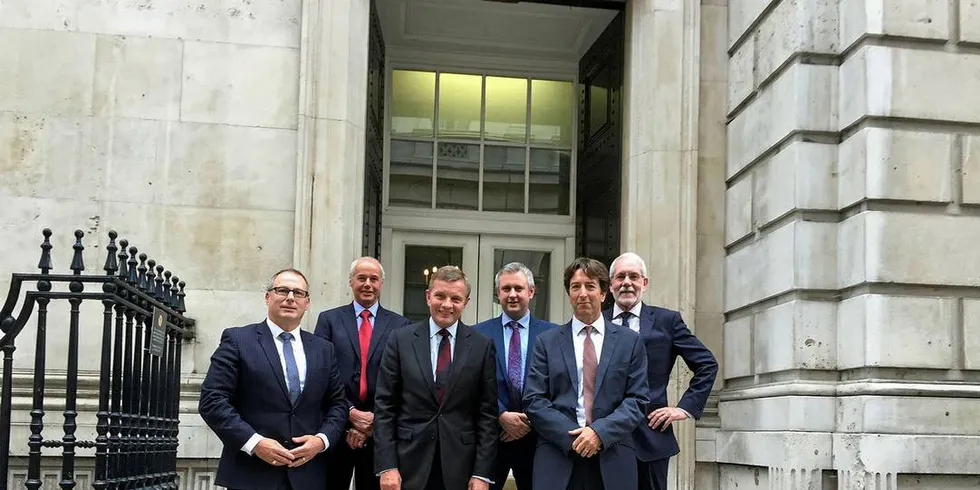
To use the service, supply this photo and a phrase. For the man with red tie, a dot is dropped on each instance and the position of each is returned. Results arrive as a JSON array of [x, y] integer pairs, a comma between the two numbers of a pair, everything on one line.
[[358, 331]]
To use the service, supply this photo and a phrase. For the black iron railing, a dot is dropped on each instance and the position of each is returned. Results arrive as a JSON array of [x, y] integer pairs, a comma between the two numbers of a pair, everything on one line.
[[143, 328]]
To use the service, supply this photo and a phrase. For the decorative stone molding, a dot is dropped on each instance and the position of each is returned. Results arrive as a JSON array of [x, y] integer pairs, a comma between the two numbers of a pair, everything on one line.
[[795, 479]]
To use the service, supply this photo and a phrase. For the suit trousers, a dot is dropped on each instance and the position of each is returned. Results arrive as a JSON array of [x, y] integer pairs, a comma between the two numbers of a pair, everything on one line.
[[344, 463], [435, 481], [652, 475], [519, 456], [586, 474], [283, 485]]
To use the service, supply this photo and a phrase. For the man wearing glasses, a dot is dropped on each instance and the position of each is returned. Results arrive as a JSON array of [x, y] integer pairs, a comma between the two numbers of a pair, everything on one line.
[[274, 397]]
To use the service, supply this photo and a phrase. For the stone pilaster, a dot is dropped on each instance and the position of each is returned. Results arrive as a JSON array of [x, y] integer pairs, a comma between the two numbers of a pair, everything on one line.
[[330, 166], [660, 167]]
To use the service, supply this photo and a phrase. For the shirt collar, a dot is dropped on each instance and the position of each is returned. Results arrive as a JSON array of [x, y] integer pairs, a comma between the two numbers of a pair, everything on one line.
[[599, 325], [635, 310], [434, 329], [373, 309], [276, 330], [524, 321]]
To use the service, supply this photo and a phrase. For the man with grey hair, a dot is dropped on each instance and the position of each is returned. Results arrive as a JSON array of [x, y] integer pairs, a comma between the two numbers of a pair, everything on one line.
[[513, 334], [665, 336], [358, 331]]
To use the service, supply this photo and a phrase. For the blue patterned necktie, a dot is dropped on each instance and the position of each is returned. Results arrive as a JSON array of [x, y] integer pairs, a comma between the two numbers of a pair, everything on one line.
[[514, 364], [292, 372]]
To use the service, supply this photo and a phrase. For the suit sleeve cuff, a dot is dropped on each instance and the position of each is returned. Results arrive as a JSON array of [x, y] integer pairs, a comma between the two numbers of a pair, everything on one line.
[[251, 443], [384, 471], [483, 478], [326, 443]]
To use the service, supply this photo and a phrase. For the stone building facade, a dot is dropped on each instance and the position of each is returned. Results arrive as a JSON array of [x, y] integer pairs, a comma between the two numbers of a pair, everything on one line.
[[802, 176]]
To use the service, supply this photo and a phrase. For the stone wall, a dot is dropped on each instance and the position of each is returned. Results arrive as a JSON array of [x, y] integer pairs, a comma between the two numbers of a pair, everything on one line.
[[173, 123], [851, 340]]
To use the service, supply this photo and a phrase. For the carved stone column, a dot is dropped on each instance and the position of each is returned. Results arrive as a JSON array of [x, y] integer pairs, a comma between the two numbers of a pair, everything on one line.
[[660, 163], [330, 167]]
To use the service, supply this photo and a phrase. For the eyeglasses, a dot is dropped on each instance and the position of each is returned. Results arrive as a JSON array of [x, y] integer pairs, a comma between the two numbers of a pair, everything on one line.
[[284, 291]]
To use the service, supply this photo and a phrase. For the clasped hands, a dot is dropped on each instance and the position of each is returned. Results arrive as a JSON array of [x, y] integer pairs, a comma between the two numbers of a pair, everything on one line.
[[362, 428], [514, 425], [587, 442], [270, 451]]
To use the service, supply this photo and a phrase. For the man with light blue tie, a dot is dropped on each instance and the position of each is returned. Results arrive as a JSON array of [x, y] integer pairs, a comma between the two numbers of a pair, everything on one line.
[[513, 334], [273, 396]]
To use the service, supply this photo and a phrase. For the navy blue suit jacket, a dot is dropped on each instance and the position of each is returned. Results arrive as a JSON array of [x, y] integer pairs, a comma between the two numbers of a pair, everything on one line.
[[494, 330], [665, 336], [245, 393], [551, 398], [339, 326]]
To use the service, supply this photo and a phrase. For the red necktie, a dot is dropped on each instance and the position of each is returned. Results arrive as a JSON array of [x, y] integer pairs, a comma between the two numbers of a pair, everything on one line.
[[442, 362], [364, 335]]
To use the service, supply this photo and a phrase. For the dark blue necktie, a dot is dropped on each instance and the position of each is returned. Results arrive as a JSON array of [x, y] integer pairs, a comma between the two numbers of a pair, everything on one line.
[[292, 372]]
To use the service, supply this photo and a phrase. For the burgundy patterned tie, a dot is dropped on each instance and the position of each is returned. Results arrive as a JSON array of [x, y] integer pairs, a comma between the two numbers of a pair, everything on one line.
[[442, 363], [514, 378], [589, 367]]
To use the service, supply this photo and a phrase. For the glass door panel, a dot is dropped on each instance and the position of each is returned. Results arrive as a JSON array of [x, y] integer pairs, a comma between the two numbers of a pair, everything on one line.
[[543, 256], [414, 258]]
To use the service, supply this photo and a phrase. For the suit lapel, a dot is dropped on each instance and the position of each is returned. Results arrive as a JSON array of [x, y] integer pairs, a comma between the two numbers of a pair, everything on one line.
[[646, 321], [568, 352], [377, 333], [351, 328], [272, 354], [608, 350], [498, 342], [460, 353], [533, 328], [313, 363], [421, 344]]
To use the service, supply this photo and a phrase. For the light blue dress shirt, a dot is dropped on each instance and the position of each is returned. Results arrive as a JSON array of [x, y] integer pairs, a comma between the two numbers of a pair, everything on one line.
[[525, 321]]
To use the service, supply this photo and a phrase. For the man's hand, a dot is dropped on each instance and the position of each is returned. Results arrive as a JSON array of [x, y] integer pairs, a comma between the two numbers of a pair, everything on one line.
[[665, 416], [477, 484], [391, 480], [356, 439], [515, 425], [309, 447], [270, 451], [362, 421], [586, 443]]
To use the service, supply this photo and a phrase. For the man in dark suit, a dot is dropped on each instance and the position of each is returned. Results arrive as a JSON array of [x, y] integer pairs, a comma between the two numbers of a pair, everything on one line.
[[513, 333], [585, 392], [435, 411], [358, 331], [665, 336], [273, 396]]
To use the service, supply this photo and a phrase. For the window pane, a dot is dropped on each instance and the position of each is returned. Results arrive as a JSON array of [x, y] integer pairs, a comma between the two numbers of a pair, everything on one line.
[[506, 109], [410, 174], [540, 265], [459, 105], [420, 263], [551, 113], [598, 101], [458, 180], [503, 179], [413, 103], [550, 181]]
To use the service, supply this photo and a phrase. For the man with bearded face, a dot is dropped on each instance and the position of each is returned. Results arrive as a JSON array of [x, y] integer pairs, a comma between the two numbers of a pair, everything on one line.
[[513, 333], [665, 336], [358, 331]]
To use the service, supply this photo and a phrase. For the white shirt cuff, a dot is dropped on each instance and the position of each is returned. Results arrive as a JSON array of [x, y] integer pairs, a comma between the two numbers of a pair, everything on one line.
[[251, 443], [686, 413], [326, 443], [484, 479]]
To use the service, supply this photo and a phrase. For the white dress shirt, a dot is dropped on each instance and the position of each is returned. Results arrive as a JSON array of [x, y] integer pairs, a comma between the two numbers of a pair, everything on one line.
[[435, 339], [299, 354], [578, 341], [634, 322]]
